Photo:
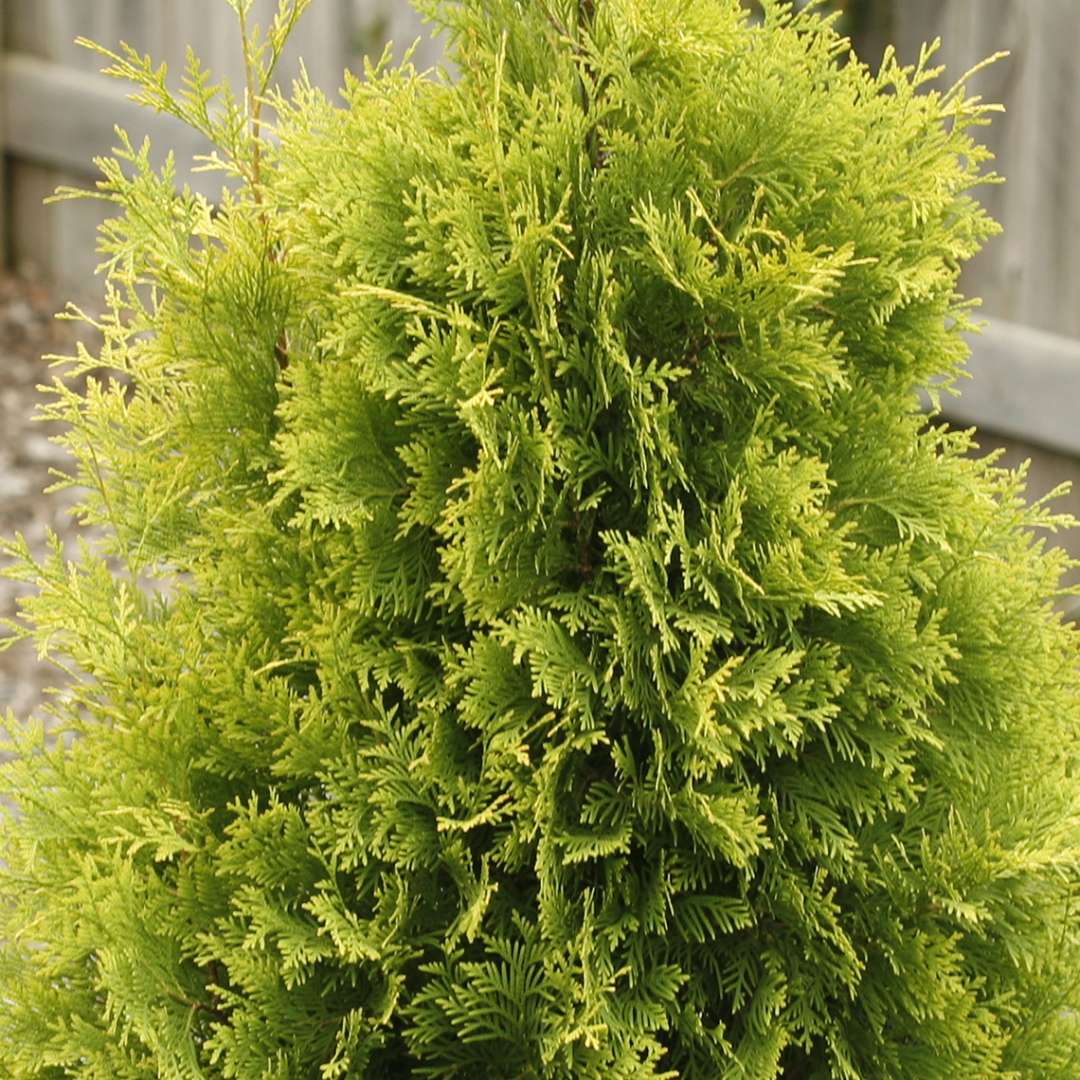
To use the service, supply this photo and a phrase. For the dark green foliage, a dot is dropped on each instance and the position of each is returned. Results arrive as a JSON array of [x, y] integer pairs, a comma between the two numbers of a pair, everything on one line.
[[543, 638]]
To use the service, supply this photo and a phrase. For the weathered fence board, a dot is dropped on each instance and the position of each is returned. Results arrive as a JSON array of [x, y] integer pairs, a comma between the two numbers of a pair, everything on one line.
[[1026, 383], [58, 111], [1024, 395], [41, 126], [165, 28], [1030, 274]]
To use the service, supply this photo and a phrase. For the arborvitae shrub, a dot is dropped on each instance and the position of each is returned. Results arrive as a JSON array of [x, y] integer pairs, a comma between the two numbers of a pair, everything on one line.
[[537, 633]]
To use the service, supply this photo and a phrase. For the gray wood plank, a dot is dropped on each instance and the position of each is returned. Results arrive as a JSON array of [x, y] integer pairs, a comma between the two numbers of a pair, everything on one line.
[[1064, 119], [26, 27], [1024, 382], [322, 40], [32, 249], [65, 22], [1031, 274], [58, 116]]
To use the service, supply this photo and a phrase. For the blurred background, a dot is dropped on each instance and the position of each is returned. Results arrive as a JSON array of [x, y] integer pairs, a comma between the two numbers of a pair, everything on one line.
[[57, 112]]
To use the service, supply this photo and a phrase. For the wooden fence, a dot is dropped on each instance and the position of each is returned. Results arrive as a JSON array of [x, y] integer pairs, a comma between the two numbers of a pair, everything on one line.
[[1027, 365], [56, 113], [1024, 395]]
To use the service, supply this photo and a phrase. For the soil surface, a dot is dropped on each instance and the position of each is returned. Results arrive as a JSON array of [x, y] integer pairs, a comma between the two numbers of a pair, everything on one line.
[[28, 331]]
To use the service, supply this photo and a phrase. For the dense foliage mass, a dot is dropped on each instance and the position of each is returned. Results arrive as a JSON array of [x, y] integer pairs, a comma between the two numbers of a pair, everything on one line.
[[537, 633]]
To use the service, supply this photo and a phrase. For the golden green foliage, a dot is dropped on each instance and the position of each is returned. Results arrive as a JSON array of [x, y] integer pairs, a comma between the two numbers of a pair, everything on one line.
[[568, 651]]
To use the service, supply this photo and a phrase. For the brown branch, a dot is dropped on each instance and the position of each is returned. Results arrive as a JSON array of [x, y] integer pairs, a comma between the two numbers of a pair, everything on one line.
[[281, 350], [251, 104], [707, 340], [558, 25], [586, 17], [253, 101]]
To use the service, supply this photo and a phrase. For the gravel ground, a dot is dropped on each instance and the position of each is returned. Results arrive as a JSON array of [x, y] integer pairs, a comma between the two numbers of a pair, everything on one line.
[[28, 330]]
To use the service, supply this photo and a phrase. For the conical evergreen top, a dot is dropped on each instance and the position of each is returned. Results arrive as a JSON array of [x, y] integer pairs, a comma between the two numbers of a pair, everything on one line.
[[537, 633]]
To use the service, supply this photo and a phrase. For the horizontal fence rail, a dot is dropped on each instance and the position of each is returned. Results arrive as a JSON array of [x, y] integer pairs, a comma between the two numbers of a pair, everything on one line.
[[1025, 383], [1031, 273], [47, 119], [57, 111]]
